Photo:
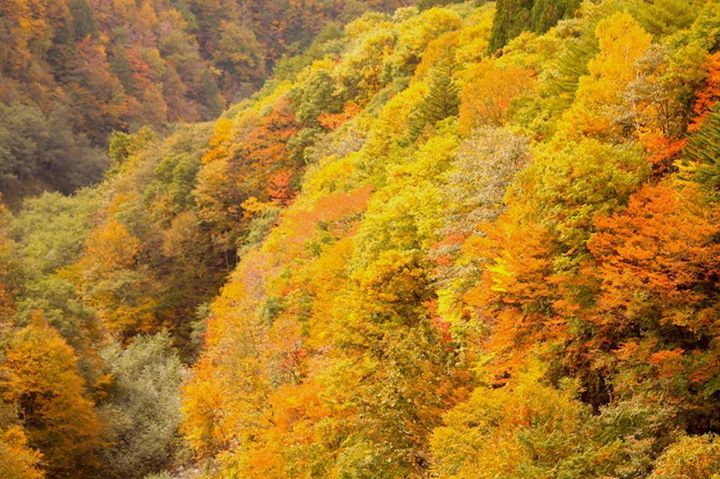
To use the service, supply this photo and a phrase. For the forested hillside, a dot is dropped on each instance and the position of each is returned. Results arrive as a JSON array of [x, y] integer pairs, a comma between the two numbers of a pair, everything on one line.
[[73, 71], [456, 241]]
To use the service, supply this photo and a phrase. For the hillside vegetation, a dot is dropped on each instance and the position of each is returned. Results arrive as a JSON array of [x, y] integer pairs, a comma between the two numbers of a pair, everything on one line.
[[74, 71], [457, 241]]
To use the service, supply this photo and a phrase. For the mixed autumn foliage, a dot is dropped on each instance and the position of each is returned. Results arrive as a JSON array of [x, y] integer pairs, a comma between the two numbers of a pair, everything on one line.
[[74, 71], [457, 241]]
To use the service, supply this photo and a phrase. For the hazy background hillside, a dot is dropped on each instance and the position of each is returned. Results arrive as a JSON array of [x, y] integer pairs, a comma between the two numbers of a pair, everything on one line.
[[74, 71]]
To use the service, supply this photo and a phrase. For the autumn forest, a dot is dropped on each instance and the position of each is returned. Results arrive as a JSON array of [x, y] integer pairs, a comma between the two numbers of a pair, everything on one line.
[[359, 239]]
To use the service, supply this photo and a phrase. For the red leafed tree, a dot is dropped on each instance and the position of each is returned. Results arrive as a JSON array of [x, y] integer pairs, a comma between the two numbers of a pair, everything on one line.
[[516, 293], [658, 267], [662, 247], [263, 153], [710, 95]]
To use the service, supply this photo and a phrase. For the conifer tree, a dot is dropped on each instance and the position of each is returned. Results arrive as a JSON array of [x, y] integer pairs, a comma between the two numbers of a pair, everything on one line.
[[703, 151], [442, 101], [546, 13], [516, 16], [511, 19]]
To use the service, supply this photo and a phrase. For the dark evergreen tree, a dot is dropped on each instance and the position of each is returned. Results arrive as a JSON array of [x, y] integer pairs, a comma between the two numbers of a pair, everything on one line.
[[703, 149], [442, 101], [83, 19], [425, 4], [546, 13], [516, 16], [512, 17]]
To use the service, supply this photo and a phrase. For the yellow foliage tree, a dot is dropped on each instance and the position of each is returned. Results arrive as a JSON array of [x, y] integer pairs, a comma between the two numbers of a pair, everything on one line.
[[489, 92], [520, 430], [601, 105], [17, 459], [40, 378], [113, 282], [692, 457]]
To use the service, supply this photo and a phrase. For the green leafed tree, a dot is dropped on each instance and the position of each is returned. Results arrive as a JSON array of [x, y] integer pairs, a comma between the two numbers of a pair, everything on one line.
[[703, 152], [40, 151], [142, 412]]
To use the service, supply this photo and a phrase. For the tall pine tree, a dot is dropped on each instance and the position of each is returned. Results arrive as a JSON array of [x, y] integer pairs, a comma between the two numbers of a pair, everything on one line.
[[703, 151], [513, 17], [442, 101]]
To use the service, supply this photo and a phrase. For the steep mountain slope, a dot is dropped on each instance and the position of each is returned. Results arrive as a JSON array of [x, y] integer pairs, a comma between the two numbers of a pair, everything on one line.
[[496, 266]]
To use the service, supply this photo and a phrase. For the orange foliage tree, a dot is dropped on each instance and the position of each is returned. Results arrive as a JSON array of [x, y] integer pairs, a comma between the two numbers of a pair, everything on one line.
[[17, 459], [657, 270], [113, 281], [487, 96], [709, 95], [40, 377]]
